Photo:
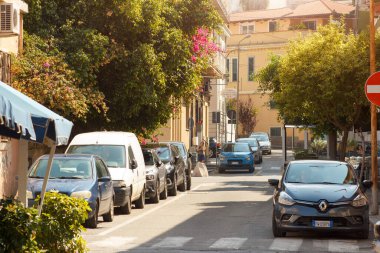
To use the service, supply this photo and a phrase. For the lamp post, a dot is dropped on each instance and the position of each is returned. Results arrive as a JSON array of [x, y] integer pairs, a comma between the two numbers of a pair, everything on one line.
[[238, 86]]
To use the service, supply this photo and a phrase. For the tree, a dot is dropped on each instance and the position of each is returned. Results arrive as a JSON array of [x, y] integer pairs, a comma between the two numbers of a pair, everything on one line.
[[320, 80], [247, 116]]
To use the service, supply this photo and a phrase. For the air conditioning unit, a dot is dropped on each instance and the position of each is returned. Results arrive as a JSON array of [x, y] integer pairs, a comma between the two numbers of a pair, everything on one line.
[[9, 18]]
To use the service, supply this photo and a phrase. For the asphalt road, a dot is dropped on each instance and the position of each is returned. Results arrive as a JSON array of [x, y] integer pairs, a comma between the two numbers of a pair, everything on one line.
[[228, 212]]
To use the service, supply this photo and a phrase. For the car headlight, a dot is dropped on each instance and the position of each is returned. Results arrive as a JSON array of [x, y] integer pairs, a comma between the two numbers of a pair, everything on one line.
[[149, 177], [81, 195], [285, 199], [29, 195], [248, 158], [360, 200], [222, 158], [119, 183]]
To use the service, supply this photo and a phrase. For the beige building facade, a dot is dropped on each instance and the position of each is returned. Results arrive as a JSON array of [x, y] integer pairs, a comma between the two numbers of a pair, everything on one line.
[[256, 35], [11, 30]]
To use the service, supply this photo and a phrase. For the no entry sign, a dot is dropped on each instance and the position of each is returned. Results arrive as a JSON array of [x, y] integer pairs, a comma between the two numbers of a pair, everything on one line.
[[372, 88]]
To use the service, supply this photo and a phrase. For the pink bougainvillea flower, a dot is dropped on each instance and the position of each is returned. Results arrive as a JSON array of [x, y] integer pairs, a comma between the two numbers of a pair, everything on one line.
[[46, 65]]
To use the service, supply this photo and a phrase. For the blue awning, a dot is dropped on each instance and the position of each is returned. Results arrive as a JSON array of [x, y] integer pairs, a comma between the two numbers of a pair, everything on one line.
[[22, 117]]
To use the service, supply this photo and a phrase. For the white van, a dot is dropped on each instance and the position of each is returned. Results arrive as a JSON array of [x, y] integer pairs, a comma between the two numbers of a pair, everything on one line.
[[123, 155]]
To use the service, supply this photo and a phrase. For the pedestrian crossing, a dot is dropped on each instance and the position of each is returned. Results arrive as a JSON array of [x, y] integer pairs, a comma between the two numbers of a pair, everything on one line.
[[97, 244]]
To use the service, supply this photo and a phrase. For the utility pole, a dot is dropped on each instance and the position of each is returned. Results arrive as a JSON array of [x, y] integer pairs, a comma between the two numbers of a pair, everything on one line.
[[374, 172], [238, 87]]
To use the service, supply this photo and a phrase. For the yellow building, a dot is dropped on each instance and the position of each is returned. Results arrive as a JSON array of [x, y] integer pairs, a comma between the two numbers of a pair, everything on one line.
[[258, 34]]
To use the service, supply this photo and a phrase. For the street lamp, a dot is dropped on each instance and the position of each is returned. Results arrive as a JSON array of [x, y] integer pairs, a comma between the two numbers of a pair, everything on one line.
[[238, 86]]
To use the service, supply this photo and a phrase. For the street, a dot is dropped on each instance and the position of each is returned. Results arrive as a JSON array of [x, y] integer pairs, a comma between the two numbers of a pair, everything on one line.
[[221, 213]]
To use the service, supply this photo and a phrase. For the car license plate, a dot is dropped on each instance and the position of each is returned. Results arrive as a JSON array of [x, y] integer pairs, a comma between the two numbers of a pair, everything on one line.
[[235, 163], [322, 223]]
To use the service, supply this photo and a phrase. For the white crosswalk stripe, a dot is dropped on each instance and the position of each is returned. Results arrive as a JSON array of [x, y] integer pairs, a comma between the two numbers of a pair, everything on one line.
[[343, 246], [113, 242], [228, 243], [286, 244], [172, 242], [275, 168]]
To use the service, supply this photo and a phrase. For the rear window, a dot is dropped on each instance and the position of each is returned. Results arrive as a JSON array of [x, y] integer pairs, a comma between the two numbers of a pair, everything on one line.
[[113, 155], [251, 142], [163, 153]]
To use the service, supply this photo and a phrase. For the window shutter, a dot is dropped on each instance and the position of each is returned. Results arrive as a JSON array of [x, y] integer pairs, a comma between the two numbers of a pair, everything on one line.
[[5, 17]]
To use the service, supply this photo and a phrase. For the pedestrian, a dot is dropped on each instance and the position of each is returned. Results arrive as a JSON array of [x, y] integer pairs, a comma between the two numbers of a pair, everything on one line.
[[201, 151]]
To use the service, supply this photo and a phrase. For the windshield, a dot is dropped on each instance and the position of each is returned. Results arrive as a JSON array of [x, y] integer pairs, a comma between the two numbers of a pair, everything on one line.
[[236, 147], [63, 168], [163, 153], [113, 155], [251, 142], [148, 158], [317, 173], [261, 137]]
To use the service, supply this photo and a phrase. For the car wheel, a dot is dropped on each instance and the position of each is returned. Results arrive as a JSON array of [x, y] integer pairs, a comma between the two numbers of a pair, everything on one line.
[[182, 187], [164, 193], [156, 197], [126, 209], [221, 171], [276, 231], [364, 234], [108, 217], [251, 170], [93, 221], [188, 180], [261, 159], [140, 203], [173, 190]]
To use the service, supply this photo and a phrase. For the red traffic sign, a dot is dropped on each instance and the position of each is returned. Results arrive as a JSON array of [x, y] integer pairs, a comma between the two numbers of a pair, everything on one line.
[[372, 88]]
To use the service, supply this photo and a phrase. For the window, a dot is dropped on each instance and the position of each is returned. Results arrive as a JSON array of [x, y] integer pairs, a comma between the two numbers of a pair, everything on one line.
[[272, 26], [131, 157], [251, 68], [275, 131], [245, 29], [227, 70], [234, 69], [101, 169], [310, 25]]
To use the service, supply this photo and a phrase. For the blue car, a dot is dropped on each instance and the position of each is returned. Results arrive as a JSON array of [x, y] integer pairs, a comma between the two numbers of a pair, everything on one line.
[[80, 176], [236, 156]]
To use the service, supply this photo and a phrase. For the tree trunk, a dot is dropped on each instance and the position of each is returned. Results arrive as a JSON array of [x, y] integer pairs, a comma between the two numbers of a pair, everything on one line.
[[332, 145], [343, 146]]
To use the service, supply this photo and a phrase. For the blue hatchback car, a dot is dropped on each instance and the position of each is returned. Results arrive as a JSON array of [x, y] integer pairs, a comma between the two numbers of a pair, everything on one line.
[[236, 156], [80, 176]]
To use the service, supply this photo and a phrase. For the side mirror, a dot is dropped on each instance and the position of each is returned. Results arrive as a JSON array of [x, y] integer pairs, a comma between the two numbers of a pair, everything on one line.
[[367, 184], [133, 164], [104, 179], [273, 182]]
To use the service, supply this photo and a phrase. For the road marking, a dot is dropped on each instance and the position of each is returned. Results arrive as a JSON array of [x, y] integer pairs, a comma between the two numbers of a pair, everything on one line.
[[229, 243], [343, 246], [258, 168], [275, 168], [113, 242], [110, 230], [321, 245], [172, 242], [286, 244]]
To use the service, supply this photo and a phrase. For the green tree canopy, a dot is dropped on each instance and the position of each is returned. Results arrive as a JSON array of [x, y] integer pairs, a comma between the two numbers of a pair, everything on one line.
[[320, 79]]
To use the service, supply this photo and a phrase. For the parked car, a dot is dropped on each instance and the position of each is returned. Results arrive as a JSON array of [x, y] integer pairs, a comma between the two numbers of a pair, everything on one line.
[[123, 155], [175, 166], [316, 195], [264, 140], [236, 156], [255, 146], [186, 158], [80, 176], [156, 187]]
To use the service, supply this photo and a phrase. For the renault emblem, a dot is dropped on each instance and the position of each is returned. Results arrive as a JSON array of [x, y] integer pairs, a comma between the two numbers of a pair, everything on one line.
[[323, 205]]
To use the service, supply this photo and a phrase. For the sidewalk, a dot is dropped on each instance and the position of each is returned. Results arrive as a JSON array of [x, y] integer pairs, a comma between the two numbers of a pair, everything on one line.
[[373, 218]]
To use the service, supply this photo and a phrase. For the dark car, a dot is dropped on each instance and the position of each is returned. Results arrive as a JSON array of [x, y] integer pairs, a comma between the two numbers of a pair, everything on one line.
[[156, 187], [175, 166], [320, 196], [236, 156], [186, 158], [255, 146], [80, 176]]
